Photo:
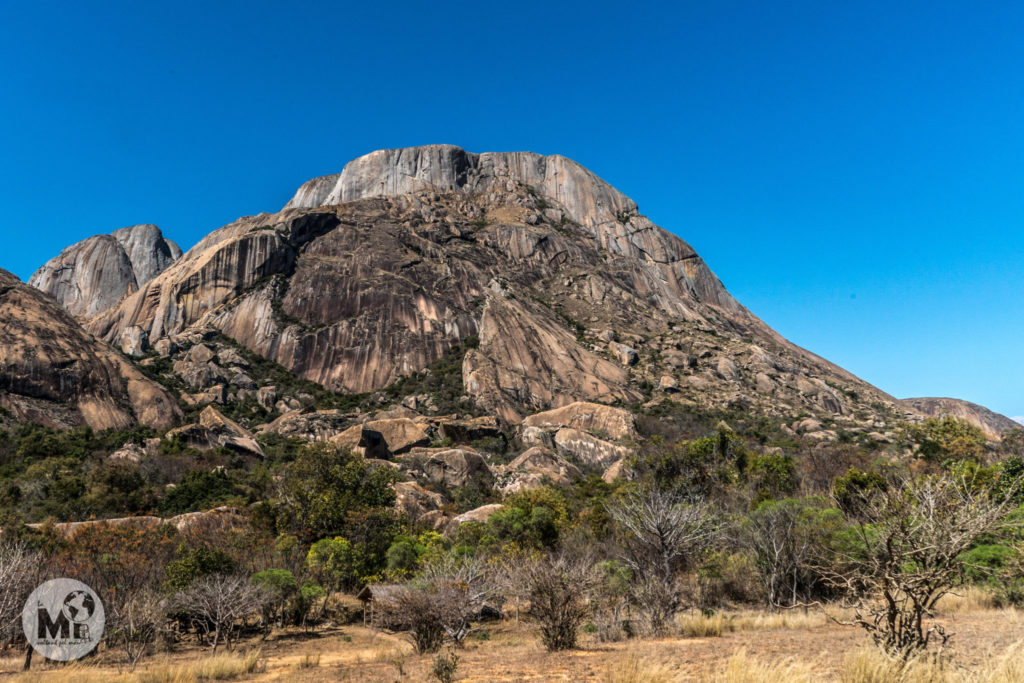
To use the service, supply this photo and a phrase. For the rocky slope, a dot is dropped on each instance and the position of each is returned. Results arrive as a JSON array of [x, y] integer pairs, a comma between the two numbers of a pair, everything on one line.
[[90, 276], [993, 424], [374, 273], [53, 372]]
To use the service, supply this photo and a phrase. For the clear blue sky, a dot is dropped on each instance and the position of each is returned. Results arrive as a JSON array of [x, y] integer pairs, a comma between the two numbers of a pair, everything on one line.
[[853, 171]]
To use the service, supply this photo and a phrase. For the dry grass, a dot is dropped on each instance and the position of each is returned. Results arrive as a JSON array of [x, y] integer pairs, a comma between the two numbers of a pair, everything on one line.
[[632, 668], [968, 599], [741, 668], [871, 665], [308, 661], [714, 625], [221, 667]]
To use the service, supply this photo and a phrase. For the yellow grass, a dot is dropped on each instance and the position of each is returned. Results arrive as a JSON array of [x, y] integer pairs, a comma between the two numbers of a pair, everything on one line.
[[221, 667], [709, 626], [632, 668], [871, 665], [967, 599], [741, 668]]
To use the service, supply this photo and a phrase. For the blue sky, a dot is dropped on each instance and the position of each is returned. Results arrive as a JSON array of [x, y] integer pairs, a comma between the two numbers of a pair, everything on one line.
[[852, 171]]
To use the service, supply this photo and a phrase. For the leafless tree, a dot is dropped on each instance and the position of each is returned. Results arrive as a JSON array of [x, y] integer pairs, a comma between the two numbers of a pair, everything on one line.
[[559, 589], [216, 603], [511, 571], [783, 539], [20, 570], [661, 532], [440, 603], [133, 622], [907, 555]]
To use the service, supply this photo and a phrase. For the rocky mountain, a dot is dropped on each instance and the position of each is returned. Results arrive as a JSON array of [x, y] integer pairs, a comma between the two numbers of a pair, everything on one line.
[[54, 373], [90, 276], [566, 291], [993, 424]]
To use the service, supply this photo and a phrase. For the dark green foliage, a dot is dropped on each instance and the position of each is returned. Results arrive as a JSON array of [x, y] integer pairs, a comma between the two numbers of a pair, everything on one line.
[[196, 563], [199, 490], [328, 492], [851, 489]]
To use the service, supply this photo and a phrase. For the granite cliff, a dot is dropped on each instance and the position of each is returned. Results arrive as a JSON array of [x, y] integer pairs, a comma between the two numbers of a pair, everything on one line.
[[90, 276], [54, 373]]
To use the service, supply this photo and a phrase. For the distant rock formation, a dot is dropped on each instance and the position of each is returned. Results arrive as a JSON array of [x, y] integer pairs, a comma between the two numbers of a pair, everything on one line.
[[90, 276], [993, 424], [54, 373]]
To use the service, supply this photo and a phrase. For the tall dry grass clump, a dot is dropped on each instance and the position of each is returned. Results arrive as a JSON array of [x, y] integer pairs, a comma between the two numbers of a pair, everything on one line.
[[631, 668], [222, 667], [872, 665], [742, 668], [967, 599]]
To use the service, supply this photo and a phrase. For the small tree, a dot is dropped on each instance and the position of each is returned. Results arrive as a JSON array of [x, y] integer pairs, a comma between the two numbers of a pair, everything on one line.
[[783, 538], [215, 603], [906, 553], [20, 568], [133, 622], [558, 592], [661, 533]]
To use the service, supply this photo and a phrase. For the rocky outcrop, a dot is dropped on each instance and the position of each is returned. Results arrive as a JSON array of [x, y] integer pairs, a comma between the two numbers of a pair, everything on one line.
[[89, 277], [371, 275], [383, 438], [419, 504], [189, 523], [613, 423], [993, 424], [589, 450], [54, 373], [535, 467], [454, 467], [320, 425], [216, 431]]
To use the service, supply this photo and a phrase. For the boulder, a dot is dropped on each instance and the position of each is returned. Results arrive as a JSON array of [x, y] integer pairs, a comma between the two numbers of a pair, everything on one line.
[[129, 453], [214, 431], [200, 353], [454, 467], [626, 355], [419, 503], [165, 347], [474, 429], [588, 449], [535, 436], [726, 369], [612, 423], [134, 341], [536, 467], [321, 425], [267, 397], [617, 470], [398, 434], [480, 514], [668, 384], [199, 375]]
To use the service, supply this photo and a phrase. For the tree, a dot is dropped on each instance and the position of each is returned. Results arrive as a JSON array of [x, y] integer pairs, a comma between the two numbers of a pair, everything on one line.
[[783, 539], [133, 622], [326, 487], [20, 568], [215, 603], [906, 553], [939, 439], [660, 534], [558, 592]]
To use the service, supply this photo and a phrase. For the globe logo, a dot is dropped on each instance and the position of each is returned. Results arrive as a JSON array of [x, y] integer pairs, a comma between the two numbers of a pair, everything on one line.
[[63, 620], [79, 606]]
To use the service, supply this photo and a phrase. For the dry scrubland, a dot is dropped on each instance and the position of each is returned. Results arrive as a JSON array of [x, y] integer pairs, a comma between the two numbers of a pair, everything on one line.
[[790, 646]]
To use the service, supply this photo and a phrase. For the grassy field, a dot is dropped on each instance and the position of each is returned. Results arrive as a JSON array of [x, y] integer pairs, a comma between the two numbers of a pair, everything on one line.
[[729, 647]]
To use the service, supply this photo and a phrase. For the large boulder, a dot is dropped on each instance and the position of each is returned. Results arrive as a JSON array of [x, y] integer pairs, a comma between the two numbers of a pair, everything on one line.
[[214, 431], [469, 430], [534, 468], [588, 449], [419, 504], [601, 420], [454, 467], [380, 438], [321, 425], [480, 514]]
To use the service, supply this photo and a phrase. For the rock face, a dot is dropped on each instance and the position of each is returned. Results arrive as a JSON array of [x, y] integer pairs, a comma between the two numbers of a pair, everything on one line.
[[372, 274], [89, 277], [54, 373], [993, 424]]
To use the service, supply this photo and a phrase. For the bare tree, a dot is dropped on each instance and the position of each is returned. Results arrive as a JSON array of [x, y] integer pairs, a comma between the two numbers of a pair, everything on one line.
[[783, 538], [216, 603], [19, 571], [440, 603], [558, 590], [907, 555], [661, 532], [133, 622]]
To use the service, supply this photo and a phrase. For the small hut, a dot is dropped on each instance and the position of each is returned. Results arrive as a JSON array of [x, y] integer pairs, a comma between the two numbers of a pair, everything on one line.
[[375, 593]]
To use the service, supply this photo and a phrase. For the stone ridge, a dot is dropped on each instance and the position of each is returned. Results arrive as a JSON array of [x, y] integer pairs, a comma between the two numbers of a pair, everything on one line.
[[90, 276], [992, 423]]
